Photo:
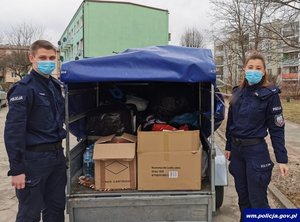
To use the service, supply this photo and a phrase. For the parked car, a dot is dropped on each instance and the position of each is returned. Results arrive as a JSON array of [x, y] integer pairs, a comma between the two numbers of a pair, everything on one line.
[[3, 94]]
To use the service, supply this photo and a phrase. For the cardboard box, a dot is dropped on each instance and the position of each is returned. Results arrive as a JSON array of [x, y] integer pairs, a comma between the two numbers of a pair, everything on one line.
[[169, 160], [115, 162]]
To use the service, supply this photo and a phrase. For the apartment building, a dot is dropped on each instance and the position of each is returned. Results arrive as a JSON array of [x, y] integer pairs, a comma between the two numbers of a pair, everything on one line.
[[101, 28], [282, 61], [228, 63], [290, 55]]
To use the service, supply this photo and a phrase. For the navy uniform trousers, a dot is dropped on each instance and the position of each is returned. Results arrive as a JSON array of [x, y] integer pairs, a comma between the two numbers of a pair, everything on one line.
[[251, 168], [44, 190]]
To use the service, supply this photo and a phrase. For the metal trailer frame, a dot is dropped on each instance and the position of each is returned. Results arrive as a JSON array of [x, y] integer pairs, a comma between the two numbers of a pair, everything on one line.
[[136, 205]]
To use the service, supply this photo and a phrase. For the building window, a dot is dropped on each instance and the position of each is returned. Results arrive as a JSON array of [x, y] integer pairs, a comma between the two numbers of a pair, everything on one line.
[[13, 75], [269, 58], [220, 70], [278, 71], [269, 33], [279, 44], [219, 48], [78, 25], [81, 47], [81, 21], [77, 49], [294, 69], [269, 71]]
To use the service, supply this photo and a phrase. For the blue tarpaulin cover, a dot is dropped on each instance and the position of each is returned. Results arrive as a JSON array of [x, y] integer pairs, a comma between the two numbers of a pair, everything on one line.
[[150, 64]]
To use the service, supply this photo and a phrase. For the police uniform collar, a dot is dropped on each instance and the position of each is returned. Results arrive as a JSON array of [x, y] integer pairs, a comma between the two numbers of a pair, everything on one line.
[[40, 76], [266, 92], [253, 87]]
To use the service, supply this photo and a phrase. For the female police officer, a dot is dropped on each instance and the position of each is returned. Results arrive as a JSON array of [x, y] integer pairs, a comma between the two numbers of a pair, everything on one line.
[[33, 135], [254, 108]]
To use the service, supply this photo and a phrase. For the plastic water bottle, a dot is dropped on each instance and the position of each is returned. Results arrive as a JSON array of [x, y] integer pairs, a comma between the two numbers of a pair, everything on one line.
[[88, 162], [92, 160]]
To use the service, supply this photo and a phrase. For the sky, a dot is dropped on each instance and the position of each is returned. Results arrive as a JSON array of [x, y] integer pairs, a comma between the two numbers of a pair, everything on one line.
[[55, 15]]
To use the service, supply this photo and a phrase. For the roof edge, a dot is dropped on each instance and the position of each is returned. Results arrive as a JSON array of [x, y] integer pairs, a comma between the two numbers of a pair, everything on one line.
[[129, 3]]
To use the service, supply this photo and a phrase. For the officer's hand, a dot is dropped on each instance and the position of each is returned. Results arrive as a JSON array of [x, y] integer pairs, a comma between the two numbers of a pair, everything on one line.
[[227, 154], [18, 181], [283, 169]]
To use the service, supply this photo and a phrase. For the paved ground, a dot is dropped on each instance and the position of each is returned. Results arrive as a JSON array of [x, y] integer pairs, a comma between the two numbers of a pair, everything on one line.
[[227, 213], [8, 200], [292, 137]]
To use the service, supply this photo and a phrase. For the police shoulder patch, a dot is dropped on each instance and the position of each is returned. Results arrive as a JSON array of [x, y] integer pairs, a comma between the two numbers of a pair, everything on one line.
[[16, 98], [279, 120], [276, 109]]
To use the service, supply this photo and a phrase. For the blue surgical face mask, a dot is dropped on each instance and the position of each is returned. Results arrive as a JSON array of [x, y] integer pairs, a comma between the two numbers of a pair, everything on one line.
[[46, 67], [253, 76]]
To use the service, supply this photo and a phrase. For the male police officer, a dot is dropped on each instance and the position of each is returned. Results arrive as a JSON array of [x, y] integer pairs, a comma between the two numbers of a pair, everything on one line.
[[33, 135]]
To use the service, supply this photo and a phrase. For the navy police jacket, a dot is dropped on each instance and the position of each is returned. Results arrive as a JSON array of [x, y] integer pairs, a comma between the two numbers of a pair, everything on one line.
[[253, 111], [35, 116]]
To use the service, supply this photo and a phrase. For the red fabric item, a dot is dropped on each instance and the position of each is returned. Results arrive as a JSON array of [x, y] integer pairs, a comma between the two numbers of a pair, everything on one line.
[[161, 127]]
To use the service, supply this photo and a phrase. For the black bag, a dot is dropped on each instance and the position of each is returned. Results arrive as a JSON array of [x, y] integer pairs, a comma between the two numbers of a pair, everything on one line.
[[167, 107], [111, 119]]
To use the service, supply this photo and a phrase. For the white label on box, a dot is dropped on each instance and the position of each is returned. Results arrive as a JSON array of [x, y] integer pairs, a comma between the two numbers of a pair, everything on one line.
[[173, 174]]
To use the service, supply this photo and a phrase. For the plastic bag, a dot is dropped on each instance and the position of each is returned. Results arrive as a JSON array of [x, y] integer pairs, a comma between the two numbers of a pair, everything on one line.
[[166, 107], [111, 119]]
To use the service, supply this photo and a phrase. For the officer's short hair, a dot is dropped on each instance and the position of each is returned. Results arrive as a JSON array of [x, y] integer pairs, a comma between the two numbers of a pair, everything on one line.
[[44, 44]]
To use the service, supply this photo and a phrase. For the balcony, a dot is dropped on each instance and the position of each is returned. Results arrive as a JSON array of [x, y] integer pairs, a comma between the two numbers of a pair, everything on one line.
[[219, 53], [287, 49], [219, 63], [289, 32], [290, 76], [290, 62]]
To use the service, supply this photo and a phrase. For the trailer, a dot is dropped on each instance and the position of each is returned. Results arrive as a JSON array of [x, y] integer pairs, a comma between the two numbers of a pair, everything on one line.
[[142, 69]]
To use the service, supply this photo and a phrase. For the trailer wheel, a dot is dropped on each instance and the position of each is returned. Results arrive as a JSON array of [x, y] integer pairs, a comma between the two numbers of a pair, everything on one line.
[[219, 196]]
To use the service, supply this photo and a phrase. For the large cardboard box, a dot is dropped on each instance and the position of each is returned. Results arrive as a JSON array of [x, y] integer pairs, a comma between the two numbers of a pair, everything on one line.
[[169, 160], [115, 162]]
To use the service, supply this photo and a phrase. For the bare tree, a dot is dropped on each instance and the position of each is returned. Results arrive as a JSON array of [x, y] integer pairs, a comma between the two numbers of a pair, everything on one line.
[[19, 39], [254, 25], [240, 24], [282, 19], [232, 30], [17, 61], [292, 4], [192, 38], [24, 34]]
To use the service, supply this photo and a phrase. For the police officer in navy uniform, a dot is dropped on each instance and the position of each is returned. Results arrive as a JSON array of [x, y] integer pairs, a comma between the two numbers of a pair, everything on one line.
[[255, 110], [33, 139]]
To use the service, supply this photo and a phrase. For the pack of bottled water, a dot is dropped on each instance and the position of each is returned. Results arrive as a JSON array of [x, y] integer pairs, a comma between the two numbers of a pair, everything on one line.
[[88, 162]]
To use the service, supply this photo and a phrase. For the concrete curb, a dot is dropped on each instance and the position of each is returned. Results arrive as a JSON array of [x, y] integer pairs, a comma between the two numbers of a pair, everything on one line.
[[276, 193], [280, 197]]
